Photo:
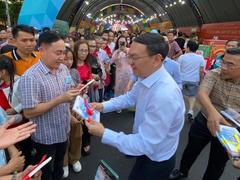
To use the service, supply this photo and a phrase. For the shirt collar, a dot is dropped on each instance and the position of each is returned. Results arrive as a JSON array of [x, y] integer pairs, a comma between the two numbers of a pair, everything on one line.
[[237, 82], [154, 77], [166, 59], [46, 70], [218, 71], [17, 57]]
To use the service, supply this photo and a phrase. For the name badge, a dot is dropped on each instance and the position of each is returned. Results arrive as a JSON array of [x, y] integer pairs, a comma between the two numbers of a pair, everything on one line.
[[68, 80]]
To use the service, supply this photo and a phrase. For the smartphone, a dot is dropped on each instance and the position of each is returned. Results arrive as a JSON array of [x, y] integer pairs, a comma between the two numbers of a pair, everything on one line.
[[122, 44], [105, 172], [37, 167], [86, 85]]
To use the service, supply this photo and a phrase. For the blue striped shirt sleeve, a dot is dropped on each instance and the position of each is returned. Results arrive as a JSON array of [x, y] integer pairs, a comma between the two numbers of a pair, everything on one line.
[[29, 92]]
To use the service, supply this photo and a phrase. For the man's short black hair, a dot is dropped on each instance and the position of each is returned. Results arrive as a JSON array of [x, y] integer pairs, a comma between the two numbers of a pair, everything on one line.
[[110, 31], [180, 34], [45, 29], [48, 38], [105, 32], [192, 45], [173, 31], [24, 28], [91, 37], [234, 51], [155, 43]]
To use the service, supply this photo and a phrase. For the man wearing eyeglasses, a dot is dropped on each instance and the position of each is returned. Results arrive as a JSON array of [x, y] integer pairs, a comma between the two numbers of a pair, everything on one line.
[[219, 90], [159, 114]]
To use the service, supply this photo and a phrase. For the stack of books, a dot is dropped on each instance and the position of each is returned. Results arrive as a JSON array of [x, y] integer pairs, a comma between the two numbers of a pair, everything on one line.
[[230, 136]]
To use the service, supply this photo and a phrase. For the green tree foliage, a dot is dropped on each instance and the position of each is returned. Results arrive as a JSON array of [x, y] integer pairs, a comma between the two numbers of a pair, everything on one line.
[[14, 9], [3, 16]]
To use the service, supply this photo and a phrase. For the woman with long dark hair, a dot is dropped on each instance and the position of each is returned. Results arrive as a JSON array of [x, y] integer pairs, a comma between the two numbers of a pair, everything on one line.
[[8, 87], [82, 54], [11, 105]]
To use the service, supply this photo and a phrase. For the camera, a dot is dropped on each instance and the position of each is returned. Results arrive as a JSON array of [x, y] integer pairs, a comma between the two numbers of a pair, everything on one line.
[[122, 44]]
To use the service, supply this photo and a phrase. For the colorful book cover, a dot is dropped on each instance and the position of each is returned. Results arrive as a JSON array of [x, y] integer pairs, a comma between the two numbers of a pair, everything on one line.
[[83, 109], [230, 139]]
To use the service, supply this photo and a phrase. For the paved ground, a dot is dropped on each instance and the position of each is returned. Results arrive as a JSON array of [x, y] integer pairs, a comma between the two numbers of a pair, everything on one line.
[[122, 165]]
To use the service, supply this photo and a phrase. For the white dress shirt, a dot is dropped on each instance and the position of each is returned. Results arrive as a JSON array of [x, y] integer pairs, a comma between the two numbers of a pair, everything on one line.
[[158, 120]]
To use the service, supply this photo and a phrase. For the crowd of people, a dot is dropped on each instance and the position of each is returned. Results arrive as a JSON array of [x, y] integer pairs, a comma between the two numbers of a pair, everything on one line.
[[152, 72]]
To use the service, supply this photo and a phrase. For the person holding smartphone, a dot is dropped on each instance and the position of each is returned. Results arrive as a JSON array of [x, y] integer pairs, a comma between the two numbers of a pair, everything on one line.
[[45, 93], [123, 69]]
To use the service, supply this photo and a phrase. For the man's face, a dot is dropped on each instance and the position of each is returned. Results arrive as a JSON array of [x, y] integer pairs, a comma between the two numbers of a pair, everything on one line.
[[105, 36], [230, 67], [140, 61], [25, 42], [3, 35], [110, 36], [103, 43], [9, 33], [125, 34], [92, 46], [170, 37], [53, 54], [195, 39], [98, 42], [231, 44]]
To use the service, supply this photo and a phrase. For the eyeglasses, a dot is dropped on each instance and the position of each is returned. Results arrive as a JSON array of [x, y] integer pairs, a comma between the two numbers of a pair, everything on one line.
[[229, 65], [83, 50], [135, 58], [92, 46]]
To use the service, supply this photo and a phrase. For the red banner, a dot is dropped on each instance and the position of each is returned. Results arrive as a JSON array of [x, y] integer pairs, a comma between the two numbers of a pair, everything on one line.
[[223, 31], [189, 30]]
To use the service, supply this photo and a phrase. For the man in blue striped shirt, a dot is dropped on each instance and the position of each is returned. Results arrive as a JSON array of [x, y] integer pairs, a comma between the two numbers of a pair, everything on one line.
[[159, 114], [45, 96]]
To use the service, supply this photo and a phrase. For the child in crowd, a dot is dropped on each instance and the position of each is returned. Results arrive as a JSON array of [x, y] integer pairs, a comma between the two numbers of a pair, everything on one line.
[[8, 88], [9, 105]]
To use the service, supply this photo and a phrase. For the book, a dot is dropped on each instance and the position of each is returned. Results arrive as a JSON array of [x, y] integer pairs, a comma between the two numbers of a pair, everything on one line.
[[230, 139], [105, 172], [83, 109], [231, 115]]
